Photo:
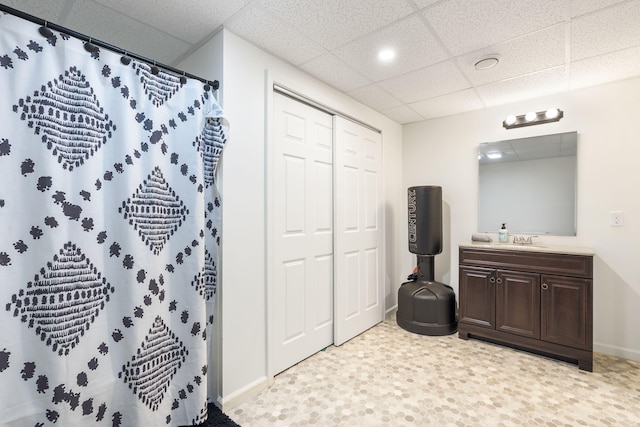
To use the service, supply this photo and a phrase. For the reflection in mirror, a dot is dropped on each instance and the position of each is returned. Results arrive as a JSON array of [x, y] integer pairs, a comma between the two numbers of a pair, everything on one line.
[[529, 184]]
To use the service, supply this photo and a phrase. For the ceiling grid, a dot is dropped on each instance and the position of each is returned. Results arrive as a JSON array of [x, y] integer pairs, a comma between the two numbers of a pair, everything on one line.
[[543, 46]]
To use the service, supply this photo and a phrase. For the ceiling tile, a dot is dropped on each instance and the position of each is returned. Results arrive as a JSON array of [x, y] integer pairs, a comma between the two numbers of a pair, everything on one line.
[[403, 115], [47, 10], [333, 23], [177, 17], [533, 52], [580, 7], [602, 32], [427, 82], [437, 42], [453, 103], [466, 26], [269, 33], [117, 29], [375, 97], [542, 83], [333, 71], [413, 43], [601, 69], [425, 3]]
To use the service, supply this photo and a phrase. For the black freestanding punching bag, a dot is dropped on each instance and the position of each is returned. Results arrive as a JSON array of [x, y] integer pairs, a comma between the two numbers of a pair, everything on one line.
[[425, 306]]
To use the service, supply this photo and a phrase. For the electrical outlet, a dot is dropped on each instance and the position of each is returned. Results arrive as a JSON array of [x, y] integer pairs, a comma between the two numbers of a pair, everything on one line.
[[616, 218]]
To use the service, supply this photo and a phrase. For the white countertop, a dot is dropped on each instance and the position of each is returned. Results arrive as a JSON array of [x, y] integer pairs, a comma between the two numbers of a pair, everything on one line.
[[535, 247]]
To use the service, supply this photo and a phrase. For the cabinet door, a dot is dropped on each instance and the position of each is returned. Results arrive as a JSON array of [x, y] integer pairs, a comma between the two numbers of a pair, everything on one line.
[[566, 311], [477, 296], [518, 303]]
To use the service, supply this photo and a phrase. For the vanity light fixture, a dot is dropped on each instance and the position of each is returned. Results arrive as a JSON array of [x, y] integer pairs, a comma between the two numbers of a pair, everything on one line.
[[533, 118], [494, 155]]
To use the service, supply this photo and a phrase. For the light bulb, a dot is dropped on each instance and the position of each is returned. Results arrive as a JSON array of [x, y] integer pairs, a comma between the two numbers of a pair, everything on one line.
[[511, 119], [552, 113], [530, 116]]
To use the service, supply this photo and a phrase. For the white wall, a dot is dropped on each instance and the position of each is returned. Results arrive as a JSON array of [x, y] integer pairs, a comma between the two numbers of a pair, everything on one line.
[[245, 96], [444, 152]]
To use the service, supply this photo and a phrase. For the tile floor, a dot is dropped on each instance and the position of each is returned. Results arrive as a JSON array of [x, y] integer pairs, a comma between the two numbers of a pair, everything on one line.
[[390, 377]]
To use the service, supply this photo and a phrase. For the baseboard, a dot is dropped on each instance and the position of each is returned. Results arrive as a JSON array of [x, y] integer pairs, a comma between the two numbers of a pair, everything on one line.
[[242, 395], [612, 350], [390, 311]]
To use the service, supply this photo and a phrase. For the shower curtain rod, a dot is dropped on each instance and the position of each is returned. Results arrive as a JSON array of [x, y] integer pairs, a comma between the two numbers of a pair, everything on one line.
[[215, 84]]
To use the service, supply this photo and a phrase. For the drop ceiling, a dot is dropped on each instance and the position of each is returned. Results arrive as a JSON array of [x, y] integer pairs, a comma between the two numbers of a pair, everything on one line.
[[543, 46]]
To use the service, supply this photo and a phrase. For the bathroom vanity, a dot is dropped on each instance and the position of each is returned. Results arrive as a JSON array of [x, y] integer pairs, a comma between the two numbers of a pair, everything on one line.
[[531, 297]]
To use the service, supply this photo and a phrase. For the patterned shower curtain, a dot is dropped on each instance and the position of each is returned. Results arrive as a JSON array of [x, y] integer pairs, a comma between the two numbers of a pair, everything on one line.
[[109, 219]]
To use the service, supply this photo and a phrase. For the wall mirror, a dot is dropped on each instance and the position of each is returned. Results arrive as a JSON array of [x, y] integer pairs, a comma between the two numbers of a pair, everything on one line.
[[529, 184]]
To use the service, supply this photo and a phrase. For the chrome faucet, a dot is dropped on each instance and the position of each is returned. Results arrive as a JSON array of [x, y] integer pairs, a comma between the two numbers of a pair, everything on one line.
[[522, 240]]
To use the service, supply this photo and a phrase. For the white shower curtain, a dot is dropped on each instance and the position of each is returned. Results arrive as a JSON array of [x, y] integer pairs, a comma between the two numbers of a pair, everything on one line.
[[109, 235]]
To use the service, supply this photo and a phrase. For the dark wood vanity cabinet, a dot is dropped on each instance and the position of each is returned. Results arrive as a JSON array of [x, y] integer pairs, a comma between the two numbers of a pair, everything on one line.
[[539, 301]]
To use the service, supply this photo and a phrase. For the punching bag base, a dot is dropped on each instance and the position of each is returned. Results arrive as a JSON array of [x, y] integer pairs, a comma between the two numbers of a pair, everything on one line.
[[427, 308]]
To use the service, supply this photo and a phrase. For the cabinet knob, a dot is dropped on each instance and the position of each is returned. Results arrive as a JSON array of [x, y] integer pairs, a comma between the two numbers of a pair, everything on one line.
[[499, 280], [492, 279], [545, 286]]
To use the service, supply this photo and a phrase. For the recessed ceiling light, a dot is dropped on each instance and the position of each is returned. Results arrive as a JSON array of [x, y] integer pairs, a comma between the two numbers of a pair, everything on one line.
[[494, 155], [486, 62], [386, 55]]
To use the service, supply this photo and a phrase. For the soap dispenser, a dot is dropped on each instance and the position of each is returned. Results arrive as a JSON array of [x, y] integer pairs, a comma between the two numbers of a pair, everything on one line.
[[503, 234]]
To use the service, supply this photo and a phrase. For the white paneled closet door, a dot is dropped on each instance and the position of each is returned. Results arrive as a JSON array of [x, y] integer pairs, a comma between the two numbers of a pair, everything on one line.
[[302, 221], [358, 241]]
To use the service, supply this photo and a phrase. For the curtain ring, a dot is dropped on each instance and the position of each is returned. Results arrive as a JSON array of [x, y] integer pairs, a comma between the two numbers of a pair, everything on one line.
[[183, 78], [45, 31], [90, 47], [125, 59], [155, 70]]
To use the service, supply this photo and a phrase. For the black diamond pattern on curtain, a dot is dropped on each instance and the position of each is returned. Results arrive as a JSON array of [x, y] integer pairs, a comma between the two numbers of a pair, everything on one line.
[[63, 300], [151, 369], [155, 210], [159, 88], [210, 144], [68, 116]]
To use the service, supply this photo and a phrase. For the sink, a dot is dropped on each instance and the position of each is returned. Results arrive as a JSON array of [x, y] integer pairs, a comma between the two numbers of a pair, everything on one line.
[[518, 245], [530, 247], [511, 246]]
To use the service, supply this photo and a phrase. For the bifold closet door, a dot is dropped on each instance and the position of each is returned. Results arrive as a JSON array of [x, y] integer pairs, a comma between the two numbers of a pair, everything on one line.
[[302, 232], [358, 243]]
